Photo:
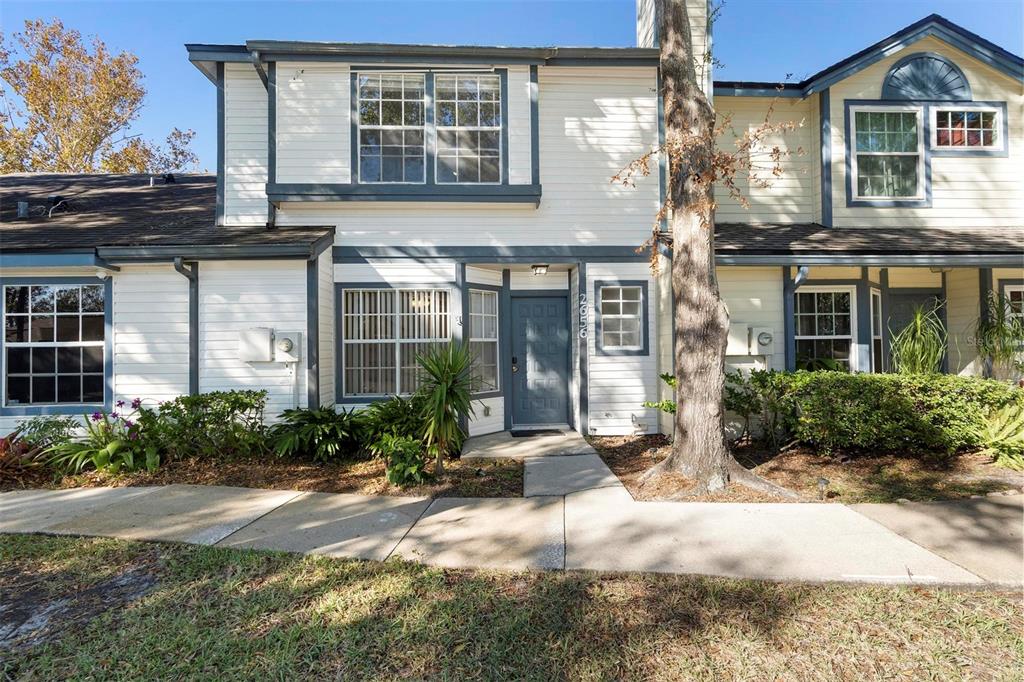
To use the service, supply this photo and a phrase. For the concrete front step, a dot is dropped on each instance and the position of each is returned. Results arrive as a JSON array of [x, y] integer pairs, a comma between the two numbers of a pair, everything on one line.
[[505, 446]]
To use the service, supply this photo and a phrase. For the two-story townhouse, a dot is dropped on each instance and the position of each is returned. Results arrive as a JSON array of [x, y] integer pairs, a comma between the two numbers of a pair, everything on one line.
[[372, 199]]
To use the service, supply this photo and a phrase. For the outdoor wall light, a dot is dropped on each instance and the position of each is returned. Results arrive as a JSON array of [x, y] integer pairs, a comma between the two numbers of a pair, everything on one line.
[[540, 269]]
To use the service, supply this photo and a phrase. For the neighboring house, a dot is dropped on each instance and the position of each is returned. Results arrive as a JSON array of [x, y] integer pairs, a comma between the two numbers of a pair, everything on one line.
[[373, 199]]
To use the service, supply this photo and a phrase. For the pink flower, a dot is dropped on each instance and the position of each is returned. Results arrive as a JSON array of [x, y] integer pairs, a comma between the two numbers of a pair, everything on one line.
[[137, 403], [120, 403], [129, 423], [114, 415], [96, 416]]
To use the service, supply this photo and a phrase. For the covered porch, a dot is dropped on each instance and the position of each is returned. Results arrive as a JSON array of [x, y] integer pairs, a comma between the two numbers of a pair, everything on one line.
[[847, 291]]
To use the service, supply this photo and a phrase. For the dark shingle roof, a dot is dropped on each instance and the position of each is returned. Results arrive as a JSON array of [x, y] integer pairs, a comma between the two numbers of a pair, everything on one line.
[[124, 210], [811, 238]]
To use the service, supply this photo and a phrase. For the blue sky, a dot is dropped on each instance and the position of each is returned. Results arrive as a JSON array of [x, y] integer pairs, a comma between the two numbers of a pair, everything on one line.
[[755, 39]]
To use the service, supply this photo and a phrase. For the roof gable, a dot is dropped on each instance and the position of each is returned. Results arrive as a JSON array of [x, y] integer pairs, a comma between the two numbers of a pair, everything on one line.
[[931, 26]]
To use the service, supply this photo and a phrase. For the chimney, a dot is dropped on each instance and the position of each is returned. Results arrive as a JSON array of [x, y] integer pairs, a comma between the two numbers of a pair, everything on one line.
[[647, 21]]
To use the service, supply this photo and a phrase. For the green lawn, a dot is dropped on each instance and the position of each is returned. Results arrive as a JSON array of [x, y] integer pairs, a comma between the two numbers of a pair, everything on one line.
[[114, 609]]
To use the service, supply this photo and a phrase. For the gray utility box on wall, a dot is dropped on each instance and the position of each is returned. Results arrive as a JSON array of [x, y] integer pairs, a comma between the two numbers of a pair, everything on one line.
[[256, 344]]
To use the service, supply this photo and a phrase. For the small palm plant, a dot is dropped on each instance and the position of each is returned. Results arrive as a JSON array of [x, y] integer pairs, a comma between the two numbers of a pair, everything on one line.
[[447, 372], [1002, 436], [999, 335], [919, 347]]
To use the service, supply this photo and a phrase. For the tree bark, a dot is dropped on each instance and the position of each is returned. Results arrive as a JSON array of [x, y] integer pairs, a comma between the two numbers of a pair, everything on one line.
[[699, 449]]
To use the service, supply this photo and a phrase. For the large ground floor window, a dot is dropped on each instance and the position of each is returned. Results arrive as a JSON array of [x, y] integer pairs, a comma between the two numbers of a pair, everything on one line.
[[54, 338], [825, 324], [383, 331]]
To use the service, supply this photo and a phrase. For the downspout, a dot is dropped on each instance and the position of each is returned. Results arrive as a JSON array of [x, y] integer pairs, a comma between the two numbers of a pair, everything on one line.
[[191, 273], [789, 287]]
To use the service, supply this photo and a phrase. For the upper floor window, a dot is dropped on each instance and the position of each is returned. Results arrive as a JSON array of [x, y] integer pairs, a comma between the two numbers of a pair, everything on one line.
[[965, 129], [392, 131], [54, 344], [1015, 302], [888, 153], [468, 119]]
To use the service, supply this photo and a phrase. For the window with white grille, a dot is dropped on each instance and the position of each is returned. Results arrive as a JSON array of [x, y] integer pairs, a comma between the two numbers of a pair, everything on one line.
[[468, 120], [483, 339], [383, 331], [825, 324]]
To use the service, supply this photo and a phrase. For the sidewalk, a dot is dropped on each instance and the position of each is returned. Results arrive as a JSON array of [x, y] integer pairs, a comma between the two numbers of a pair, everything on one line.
[[600, 528]]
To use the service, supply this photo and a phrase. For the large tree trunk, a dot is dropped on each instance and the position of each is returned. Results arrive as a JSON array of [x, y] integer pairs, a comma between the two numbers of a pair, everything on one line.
[[699, 449]]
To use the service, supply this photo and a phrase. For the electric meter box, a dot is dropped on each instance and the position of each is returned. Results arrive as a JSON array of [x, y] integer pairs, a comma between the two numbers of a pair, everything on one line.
[[288, 347], [256, 344]]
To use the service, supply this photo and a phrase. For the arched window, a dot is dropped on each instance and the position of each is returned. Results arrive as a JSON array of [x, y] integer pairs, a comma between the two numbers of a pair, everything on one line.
[[926, 76]]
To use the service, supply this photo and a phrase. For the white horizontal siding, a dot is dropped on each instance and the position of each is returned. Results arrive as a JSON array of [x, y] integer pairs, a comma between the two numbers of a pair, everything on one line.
[[966, 191], [519, 153], [151, 334], [483, 276], [245, 146], [963, 308], [593, 121], [794, 196], [481, 424], [234, 296], [396, 273], [519, 280], [313, 116], [754, 299], [325, 288], [619, 384]]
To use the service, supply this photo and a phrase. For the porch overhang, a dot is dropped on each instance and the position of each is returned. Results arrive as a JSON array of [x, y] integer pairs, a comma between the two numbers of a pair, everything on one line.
[[814, 244]]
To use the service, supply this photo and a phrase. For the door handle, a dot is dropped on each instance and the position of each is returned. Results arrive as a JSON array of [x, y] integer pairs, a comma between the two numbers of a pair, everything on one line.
[[515, 364]]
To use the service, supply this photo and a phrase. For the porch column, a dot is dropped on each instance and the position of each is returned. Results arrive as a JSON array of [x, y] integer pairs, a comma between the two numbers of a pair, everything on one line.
[[984, 291], [863, 332]]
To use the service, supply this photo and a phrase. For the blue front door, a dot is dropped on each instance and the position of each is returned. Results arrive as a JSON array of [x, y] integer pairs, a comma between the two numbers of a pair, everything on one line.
[[540, 360]]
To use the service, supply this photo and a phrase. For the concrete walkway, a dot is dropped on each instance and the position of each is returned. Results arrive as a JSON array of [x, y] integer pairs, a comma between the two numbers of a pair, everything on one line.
[[598, 528]]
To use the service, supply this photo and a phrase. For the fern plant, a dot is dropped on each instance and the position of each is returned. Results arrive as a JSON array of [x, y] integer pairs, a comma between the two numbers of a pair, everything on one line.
[[323, 434], [447, 372], [1003, 436], [920, 347]]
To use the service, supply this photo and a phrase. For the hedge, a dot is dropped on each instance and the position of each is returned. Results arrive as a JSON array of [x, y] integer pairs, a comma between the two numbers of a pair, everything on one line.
[[917, 414]]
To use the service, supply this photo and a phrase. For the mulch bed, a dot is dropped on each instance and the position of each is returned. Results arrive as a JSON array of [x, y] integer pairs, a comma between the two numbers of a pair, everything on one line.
[[862, 478], [364, 477]]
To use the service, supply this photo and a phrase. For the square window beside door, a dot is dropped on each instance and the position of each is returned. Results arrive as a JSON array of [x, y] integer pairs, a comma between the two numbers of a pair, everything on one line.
[[621, 315]]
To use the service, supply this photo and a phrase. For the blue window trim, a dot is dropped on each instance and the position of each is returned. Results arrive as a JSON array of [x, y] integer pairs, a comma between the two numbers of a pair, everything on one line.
[[502, 313], [108, 353], [645, 348], [925, 107], [453, 289], [407, 193]]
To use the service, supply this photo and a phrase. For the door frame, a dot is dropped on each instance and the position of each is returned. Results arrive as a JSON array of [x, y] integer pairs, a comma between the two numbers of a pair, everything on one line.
[[541, 293]]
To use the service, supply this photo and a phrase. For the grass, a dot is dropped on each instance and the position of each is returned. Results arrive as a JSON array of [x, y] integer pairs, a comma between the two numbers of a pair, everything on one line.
[[182, 612], [364, 477], [861, 478]]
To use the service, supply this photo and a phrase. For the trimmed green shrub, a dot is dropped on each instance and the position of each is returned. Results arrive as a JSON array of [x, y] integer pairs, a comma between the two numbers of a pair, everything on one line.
[[668, 405], [218, 424], [918, 414], [396, 416], [48, 429], [323, 433]]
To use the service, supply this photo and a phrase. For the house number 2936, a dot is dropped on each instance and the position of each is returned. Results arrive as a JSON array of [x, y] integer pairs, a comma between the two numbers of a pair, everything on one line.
[[583, 316]]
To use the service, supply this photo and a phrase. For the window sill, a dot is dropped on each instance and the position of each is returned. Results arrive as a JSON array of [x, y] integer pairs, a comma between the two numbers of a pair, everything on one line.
[[63, 409], [890, 203], [500, 194]]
